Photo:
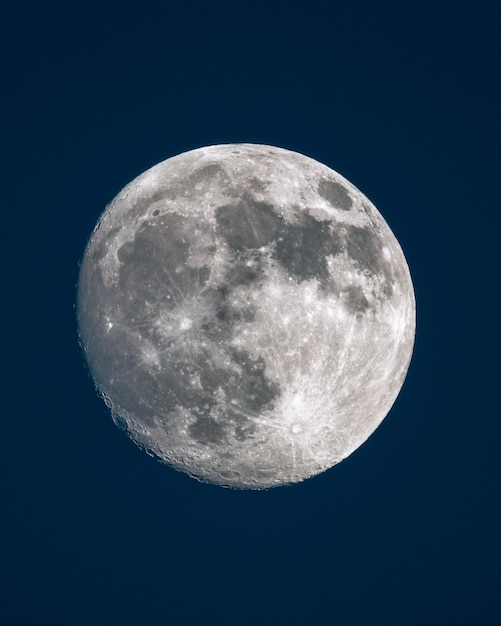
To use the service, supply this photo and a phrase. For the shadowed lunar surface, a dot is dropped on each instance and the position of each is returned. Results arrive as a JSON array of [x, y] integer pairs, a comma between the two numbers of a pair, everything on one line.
[[246, 313]]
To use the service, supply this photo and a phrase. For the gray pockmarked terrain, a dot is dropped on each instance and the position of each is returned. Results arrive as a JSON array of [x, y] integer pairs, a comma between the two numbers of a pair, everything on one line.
[[247, 314]]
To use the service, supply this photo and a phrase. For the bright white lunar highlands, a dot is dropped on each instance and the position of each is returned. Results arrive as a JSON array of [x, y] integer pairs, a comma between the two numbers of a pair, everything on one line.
[[246, 313]]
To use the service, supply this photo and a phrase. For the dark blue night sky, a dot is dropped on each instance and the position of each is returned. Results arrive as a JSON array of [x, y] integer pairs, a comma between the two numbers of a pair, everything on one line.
[[400, 98]]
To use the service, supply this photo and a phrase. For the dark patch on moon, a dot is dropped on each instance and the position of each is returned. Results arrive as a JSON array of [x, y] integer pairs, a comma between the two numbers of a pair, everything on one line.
[[258, 185], [245, 429], [246, 268], [355, 300], [252, 389], [248, 224], [228, 314], [153, 265], [246, 391], [302, 249], [207, 431], [365, 248], [335, 194], [243, 274], [204, 174]]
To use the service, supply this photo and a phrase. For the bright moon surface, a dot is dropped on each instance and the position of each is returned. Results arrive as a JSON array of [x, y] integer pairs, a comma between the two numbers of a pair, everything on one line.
[[246, 313]]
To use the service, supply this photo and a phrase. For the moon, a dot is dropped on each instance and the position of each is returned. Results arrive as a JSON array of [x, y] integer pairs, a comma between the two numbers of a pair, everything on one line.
[[246, 313]]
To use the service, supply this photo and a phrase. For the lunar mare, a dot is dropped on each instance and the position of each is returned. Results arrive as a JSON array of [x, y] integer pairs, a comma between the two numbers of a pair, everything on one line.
[[246, 313]]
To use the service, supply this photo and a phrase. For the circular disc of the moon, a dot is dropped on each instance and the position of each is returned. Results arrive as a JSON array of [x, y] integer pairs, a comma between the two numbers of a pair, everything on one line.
[[246, 313]]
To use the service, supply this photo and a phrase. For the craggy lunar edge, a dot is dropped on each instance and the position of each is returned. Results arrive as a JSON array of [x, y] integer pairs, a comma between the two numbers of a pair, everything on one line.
[[246, 313]]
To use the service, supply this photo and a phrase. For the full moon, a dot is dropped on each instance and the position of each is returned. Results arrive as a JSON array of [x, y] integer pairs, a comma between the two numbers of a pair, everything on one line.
[[246, 313]]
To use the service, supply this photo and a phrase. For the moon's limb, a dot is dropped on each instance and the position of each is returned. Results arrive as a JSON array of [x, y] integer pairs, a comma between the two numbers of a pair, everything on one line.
[[248, 313]]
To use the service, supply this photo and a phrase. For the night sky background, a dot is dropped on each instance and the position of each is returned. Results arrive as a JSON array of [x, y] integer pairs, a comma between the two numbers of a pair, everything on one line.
[[401, 98]]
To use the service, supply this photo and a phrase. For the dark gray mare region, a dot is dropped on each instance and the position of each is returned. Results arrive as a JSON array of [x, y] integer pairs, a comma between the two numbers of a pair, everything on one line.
[[335, 194], [248, 225], [154, 276], [302, 248]]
